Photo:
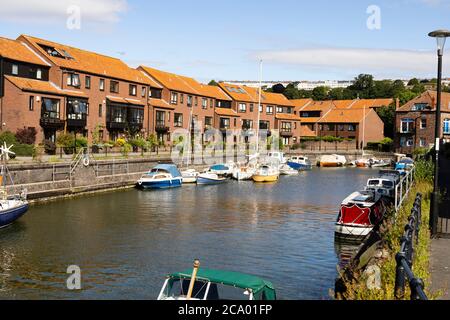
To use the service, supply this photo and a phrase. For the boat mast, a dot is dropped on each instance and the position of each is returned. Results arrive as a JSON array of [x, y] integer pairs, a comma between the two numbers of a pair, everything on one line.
[[364, 130], [259, 104], [188, 162]]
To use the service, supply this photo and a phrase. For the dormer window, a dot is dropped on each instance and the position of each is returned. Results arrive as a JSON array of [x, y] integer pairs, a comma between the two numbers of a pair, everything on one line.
[[51, 51], [15, 69], [73, 80], [419, 106], [39, 74]]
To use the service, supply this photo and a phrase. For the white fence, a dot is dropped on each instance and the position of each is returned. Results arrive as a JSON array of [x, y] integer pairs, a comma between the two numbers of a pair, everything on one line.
[[403, 188]]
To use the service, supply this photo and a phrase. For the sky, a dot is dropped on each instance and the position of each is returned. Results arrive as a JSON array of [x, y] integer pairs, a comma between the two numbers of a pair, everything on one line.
[[225, 40]]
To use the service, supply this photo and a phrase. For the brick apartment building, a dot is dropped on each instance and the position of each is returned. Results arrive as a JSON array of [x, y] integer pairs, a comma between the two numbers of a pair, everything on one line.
[[415, 122]]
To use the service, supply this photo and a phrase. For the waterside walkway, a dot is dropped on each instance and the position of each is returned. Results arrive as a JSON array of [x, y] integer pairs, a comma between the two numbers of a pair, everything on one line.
[[440, 266]]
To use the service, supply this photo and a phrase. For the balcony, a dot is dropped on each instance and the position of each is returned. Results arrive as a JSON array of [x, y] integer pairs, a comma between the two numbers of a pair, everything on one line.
[[77, 120], [116, 125], [51, 122], [161, 127], [287, 133]]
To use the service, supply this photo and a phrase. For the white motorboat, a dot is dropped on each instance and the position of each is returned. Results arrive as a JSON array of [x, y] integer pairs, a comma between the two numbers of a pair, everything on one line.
[[190, 176], [208, 178], [299, 163], [333, 160], [286, 170]]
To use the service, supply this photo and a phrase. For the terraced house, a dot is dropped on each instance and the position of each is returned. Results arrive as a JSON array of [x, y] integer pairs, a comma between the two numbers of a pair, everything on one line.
[[185, 104], [81, 91], [415, 122]]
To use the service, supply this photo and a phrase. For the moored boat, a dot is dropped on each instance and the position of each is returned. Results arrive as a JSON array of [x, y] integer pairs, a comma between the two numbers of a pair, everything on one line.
[[11, 207], [163, 176], [209, 178], [190, 176], [332, 161], [244, 173], [266, 173], [358, 215], [299, 163], [225, 170], [287, 170]]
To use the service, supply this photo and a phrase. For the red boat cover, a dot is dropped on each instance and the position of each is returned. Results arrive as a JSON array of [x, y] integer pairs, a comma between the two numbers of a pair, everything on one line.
[[362, 216]]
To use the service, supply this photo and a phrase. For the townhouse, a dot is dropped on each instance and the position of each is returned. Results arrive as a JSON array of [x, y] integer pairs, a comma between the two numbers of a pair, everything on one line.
[[275, 112], [79, 91], [186, 104], [415, 122]]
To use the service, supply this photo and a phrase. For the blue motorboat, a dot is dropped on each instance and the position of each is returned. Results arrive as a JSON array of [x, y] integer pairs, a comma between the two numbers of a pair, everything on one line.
[[299, 163], [404, 165], [209, 178], [163, 176]]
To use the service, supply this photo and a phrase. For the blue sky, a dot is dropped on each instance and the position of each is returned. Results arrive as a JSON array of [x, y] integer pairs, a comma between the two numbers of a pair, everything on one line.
[[206, 39]]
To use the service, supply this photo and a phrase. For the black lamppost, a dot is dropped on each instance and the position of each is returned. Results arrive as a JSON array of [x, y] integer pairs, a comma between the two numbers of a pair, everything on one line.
[[441, 36]]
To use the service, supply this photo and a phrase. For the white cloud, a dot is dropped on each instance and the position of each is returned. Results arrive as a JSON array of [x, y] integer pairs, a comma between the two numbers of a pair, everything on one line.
[[50, 10], [380, 62]]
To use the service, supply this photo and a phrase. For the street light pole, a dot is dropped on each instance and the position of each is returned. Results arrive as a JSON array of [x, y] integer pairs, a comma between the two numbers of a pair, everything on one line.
[[441, 36]]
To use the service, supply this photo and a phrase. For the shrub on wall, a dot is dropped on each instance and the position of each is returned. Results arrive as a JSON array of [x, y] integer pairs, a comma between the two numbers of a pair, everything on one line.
[[26, 136]]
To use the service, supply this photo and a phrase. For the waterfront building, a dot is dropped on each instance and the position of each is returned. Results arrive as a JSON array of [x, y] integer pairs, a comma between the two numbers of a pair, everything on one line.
[[415, 122]]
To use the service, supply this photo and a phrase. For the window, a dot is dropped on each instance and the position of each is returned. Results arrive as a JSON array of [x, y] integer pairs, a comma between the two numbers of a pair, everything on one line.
[[160, 119], [87, 82], [178, 120], [406, 125], [208, 122], [247, 124], [260, 109], [39, 74], [155, 93], [211, 103], [423, 142], [100, 135], [50, 108], [331, 127], [251, 107], [289, 110], [133, 90], [102, 85], [77, 109], [143, 92], [235, 122], [269, 110], [341, 127], [135, 116], [447, 126], [189, 101], [423, 123], [100, 110], [31, 103], [224, 123], [204, 103], [15, 69], [173, 98], [286, 127], [242, 107], [181, 98], [351, 127], [73, 80], [114, 86], [419, 107], [279, 109], [406, 142]]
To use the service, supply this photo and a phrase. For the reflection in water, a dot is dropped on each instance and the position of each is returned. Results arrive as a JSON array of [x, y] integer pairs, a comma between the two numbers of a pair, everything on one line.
[[345, 251], [125, 242]]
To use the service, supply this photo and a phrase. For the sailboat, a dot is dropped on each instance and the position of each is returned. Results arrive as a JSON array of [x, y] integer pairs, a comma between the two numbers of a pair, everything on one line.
[[189, 175], [11, 207]]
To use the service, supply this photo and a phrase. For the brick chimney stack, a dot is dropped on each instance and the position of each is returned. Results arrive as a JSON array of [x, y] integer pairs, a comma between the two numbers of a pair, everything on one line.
[[397, 104]]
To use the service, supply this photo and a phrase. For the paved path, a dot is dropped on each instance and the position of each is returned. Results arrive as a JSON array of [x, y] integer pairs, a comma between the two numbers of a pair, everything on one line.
[[440, 266]]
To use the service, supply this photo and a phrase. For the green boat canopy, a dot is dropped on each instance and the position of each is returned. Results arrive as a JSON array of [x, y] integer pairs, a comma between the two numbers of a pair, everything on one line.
[[261, 289]]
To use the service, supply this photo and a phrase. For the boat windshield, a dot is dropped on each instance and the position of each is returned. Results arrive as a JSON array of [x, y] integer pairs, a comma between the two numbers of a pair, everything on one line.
[[387, 184], [373, 182]]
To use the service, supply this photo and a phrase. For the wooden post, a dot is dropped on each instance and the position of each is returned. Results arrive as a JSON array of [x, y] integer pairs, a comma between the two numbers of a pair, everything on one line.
[[194, 275]]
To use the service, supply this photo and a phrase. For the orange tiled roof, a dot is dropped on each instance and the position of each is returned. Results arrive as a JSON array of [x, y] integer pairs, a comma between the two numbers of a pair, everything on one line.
[[429, 97], [160, 103], [323, 106], [343, 104], [226, 112], [89, 62], [16, 50], [310, 120], [214, 92], [38, 86], [134, 101], [301, 103], [242, 93], [305, 131], [371, 103], [173, 81], [345, 115], [277, 99], [286, 116]]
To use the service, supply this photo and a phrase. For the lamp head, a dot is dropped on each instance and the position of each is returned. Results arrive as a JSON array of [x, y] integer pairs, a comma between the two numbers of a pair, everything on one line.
[[441, 36]]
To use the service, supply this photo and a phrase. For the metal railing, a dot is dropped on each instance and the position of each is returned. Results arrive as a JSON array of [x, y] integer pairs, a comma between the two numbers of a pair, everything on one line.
[[406, 255], [403, 188]]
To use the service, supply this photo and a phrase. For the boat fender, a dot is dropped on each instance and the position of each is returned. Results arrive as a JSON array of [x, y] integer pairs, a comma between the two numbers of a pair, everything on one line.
[[86, 161]]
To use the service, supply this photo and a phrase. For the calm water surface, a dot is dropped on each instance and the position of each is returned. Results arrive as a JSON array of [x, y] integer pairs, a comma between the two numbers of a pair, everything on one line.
[[125, 242]]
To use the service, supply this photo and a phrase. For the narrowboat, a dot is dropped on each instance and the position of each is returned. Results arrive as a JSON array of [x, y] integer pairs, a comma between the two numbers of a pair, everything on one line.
[[208, 284], [209, 178], [163, 176], [358, 215], [299, 163]]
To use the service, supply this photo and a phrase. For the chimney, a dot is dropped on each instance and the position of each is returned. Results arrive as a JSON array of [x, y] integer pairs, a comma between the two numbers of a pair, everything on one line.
[[397, 104], [433, 102]]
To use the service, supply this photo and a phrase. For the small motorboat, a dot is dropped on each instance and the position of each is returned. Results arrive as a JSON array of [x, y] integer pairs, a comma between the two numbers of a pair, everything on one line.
[[207, 284], [266, 173], [358, 215], [163, 176], [287, 170], [11, 207], [385, 183], [332, 161], [244, 173], [299, 163], [190, 176], [362, 163], [379, 163], [404, 165], [225, 170], [276, 157], [209, 178]]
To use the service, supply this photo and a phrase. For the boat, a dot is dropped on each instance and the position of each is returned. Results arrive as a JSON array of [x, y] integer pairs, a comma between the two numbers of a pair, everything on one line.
[[266, 173], [276, 157], [379, 163], [404, 165], [332, 161], [163, 176], [385, 183], [362, 163], [287, 170], [244, 173], [208, 178], [208, 284], [190, 176], [299, 163], [358, 215], [225, 170], [11, 207]]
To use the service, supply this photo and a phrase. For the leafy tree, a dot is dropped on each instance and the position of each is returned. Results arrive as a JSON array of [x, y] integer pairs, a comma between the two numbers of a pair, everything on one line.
[[413, 82], [278, 88], [336, 94], [320, 93], [387, 114], [213, 83]]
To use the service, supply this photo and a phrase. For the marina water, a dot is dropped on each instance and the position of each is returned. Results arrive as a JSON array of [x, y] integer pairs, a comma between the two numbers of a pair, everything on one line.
[[125, 242]]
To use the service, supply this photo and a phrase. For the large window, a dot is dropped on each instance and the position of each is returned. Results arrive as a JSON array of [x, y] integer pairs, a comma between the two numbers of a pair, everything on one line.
[[50, 108], [77, 109], [419, 107], [136, 115], [204, 103], [269, 110], [208, 121], [160, 118], [447, 126], [101, 85], [407, 126], [173, 98], [242, 107], [133, 90], [114, 86], [118, 114], [224, 123], [73, 80], [286, 127], [247, 124], [178, 120], [351, 127]]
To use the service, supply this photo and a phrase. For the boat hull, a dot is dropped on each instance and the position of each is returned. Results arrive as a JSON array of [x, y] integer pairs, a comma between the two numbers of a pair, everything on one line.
[[189, 180], [11, 215], [161, 184], [261, 178], [330, 164], [352, 232], [209, 181], [299, 166]]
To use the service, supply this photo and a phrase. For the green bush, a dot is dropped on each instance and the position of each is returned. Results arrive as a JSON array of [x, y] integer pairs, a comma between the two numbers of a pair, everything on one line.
[[8, 137], [81, 142], [424, 171], [23, 150]]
